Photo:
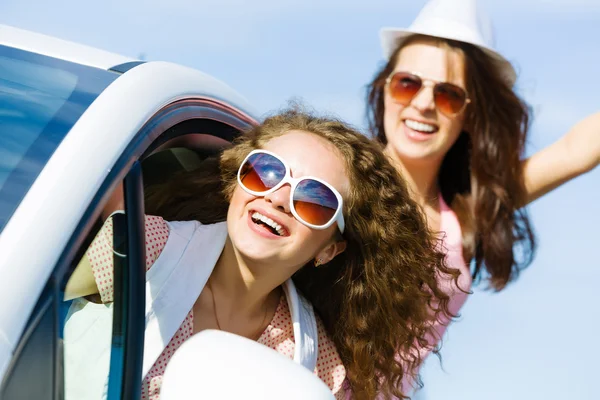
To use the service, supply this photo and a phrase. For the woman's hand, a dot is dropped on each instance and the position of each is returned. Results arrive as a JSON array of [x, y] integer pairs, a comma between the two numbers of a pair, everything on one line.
[[572, 155]]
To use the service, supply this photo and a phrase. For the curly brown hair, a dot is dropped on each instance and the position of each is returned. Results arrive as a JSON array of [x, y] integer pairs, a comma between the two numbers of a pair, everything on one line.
[[376, 298], [481, 176]]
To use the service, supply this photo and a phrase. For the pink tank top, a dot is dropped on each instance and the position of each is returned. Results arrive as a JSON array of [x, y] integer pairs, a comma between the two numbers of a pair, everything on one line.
[[452, 243], [451, 235]]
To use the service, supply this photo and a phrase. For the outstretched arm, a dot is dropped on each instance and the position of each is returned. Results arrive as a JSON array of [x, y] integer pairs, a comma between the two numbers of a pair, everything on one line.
[[572, 155]]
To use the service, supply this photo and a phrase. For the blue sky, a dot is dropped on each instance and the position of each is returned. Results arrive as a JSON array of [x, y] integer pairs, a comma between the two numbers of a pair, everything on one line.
[[538, 338]]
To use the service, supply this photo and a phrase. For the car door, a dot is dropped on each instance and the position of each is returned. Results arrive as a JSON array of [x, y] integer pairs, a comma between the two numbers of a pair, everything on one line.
[[136, 140]]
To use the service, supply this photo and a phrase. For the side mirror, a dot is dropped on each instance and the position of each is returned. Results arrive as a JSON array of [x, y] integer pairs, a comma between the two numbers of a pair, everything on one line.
[[220, 365]]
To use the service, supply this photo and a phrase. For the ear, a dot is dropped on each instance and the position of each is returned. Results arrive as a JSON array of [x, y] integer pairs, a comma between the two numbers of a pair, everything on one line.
[[330, 251]]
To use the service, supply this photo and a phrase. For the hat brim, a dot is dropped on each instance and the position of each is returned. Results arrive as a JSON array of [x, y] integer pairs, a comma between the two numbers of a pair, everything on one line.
[[391, 38]]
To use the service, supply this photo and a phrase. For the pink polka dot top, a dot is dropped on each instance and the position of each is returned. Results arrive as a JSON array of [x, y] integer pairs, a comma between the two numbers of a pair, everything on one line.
[[278, 335]]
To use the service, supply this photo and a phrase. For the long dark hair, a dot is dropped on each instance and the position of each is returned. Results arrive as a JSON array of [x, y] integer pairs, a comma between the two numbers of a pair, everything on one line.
[[375, 299], [481, 176]]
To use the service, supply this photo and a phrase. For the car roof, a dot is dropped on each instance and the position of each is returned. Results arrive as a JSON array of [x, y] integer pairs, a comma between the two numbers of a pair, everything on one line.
[[59, 48], [89, 56]]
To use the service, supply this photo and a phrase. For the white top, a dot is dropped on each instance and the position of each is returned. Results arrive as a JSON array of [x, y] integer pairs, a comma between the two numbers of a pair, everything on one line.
[[172, 286]]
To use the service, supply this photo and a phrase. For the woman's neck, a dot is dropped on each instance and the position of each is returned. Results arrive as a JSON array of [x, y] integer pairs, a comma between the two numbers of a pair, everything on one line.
[[420, 176], [240, 289]]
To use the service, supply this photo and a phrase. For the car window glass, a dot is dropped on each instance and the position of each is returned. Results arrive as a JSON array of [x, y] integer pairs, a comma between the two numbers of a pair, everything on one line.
[[41, 98], [87, 312]]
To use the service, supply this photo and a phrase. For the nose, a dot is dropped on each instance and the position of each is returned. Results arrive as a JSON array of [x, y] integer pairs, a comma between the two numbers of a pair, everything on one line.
[[280, 199], [423, 100]]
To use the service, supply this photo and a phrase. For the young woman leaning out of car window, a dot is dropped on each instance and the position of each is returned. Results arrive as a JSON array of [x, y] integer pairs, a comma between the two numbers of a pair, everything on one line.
[[298, 202]]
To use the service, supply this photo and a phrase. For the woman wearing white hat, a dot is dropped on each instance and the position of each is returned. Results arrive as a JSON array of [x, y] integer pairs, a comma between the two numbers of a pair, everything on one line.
[[445, 110]]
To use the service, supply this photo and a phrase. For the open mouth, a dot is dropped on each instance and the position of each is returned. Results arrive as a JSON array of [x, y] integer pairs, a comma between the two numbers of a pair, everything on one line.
[[421, 127], [268, 223]]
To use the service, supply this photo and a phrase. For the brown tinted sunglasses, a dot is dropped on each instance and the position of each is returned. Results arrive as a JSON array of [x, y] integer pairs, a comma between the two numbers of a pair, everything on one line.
[[450, 99]]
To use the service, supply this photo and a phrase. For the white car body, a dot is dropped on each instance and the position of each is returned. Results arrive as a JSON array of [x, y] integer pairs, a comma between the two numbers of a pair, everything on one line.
[[58, 48], [34, 238]]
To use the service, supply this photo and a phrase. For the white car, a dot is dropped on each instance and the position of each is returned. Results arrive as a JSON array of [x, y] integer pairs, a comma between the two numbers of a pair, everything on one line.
[[74, 123]]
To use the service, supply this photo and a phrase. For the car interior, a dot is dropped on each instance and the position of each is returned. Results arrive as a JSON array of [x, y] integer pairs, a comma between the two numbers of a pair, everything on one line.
[[179, 149], [183, 148]]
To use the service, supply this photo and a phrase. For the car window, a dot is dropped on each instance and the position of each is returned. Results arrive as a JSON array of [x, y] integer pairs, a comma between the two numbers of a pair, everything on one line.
[[88, 309], [40, 100], [95, 341], [65, 351]]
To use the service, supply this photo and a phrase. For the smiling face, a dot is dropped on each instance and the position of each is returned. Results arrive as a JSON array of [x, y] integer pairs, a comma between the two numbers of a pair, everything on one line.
[[263, 229], [418, 131]]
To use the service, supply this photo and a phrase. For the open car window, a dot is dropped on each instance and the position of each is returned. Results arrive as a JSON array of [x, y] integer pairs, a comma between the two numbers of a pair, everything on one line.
[[93, 347]]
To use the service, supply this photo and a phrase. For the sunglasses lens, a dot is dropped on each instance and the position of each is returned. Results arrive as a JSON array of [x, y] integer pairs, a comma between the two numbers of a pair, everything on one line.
[[314, 202], [261, 172], [449, 99], [403, 87]]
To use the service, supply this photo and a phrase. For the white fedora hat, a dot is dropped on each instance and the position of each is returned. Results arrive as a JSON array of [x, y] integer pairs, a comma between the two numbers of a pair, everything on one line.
[[461, 20]]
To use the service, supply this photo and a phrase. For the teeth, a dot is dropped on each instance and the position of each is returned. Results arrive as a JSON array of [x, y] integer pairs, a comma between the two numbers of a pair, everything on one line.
[[259, 217], [419, 126]]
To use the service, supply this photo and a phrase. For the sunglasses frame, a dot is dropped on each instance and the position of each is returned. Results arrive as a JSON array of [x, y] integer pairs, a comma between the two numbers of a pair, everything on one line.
[[288, 179], [424, 83]]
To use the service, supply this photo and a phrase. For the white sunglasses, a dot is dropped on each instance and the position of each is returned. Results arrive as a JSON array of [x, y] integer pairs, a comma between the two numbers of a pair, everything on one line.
[[313, 202]]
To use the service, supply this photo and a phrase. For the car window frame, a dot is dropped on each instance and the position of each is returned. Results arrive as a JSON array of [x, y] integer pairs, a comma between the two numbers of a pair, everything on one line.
[[128, 169], [127, 346]]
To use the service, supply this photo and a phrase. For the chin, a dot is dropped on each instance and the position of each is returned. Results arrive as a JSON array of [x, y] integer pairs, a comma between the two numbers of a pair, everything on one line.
[[415, 151], [255, 248]]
